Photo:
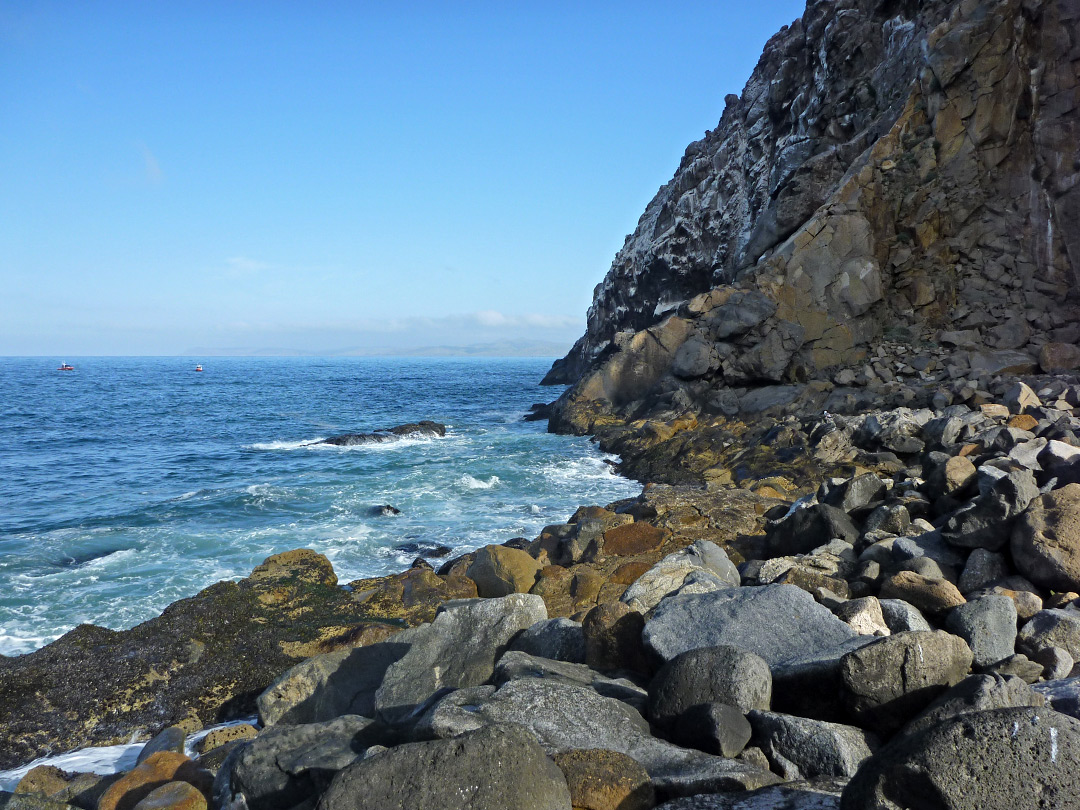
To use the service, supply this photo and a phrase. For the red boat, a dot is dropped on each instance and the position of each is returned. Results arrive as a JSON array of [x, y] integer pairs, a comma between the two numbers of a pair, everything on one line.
[[66, 367], [198, 368]]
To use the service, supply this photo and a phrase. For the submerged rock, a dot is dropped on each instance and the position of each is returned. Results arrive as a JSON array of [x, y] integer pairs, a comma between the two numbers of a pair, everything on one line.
[[423, 429]]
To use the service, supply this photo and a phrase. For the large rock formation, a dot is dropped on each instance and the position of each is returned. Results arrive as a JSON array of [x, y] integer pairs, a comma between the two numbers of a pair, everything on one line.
[[892, 170]]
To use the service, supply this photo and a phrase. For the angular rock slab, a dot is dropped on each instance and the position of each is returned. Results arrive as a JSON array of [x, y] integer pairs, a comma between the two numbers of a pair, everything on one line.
[[776, 622], [487, 769], [995, 760], [800, 748], [564, 718], [458, 649], [890, 679]]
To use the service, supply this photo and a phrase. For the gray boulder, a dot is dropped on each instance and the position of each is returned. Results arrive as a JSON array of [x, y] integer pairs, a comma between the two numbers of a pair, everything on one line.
[[487, 769], [776, 622], [901, 616], [1000, 759], [559, 639], [975, 693], [703, 561], [1062, 696], [715, 728], [805, 529], [1057, 627], [988, 625], [456, 650], [1046, 540], [800, 748], [890, 679], [706, 675], [811, 686], [290, 764], [565, 717], [514, 666]]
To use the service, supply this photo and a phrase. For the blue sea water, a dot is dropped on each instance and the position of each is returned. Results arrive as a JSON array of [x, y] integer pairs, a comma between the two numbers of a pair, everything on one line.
[[129, 483]]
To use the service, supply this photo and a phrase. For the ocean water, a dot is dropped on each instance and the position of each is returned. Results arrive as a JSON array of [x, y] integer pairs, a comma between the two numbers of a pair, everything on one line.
[[130, 483]]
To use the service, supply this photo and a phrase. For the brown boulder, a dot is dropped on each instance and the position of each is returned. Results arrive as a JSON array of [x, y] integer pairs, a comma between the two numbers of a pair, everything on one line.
[[220, 736], [605, 780], [501, 571], [301, 564], [155, 771], [934, 596], [1055, 358], [1046, 540], [173, 796]]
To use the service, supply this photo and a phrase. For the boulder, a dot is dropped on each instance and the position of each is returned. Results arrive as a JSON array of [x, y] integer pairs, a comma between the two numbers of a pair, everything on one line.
[[515, 666], [633, 538], [559, 639], [1046, 540], [807, 528], [605, 780], [501, 571], [613, 638], [810, 685], [1062, 696], [891, 678], [1055, 358], [458, 649], [487, 769], [1004, 758], [988, 625], [901, 616], [168, 739], [863, 615], [703, 560], [800, 748], [982, 568], [1051, 628], [776, 622], [709, 675], [75, 789], [715, 728], [173, 796], [153, 772], [975, 693], [289, 764], [223, 736], [933, 596]]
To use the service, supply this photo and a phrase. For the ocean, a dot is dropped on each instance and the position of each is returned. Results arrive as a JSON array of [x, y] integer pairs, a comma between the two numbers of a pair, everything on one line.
[[129, 483]]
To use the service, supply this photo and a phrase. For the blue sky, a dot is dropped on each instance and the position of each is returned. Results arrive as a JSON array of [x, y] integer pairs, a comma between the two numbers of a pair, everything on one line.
[[334, 177]]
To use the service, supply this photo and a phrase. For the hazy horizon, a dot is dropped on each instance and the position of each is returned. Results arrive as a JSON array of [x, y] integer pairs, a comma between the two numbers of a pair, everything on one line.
[[339, 177]]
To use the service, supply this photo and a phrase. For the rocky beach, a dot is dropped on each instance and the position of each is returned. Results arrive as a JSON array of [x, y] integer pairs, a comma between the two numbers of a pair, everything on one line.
[[841, 353]]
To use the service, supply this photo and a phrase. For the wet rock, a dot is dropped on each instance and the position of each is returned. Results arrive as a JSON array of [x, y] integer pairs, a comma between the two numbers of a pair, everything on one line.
[[81, 790], [605, 780], [775, 622], [1046, 540], [818, 794], [709, 675], [223, 736], [800, 748], [168, 739], [488, 769], [890, 679], [153, 772], [422, 429], [975, 761]]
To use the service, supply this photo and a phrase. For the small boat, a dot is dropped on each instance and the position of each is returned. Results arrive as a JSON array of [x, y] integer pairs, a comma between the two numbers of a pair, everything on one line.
[[65, 367], [198, 368]]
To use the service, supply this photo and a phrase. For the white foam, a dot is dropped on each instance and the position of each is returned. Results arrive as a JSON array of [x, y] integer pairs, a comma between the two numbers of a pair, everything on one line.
[[469, 482], [283, 445]]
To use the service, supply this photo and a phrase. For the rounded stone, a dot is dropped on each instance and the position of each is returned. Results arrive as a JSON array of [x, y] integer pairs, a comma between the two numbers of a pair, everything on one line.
[[501, 571], [1046, 540], [156, 770], [605, 780], [173, 796], [933, 596], [720, 674]]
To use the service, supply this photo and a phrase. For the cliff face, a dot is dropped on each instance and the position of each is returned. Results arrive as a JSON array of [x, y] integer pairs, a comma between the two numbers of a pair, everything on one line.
[[892, 167]]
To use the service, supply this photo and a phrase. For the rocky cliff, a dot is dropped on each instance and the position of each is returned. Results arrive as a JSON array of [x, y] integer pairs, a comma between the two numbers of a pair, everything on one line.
[[895, 173]]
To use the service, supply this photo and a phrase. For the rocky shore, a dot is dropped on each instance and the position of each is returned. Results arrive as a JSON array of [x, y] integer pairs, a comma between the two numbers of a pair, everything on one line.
[[840, 351]]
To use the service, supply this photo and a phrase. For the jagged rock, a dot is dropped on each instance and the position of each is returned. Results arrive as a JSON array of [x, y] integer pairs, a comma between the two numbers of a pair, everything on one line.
[[799, 748], [856, 492], [1046, 540], [559, 639], [707, 675], [424, 428], [775, 622], [223, 736], [988, 625], [704, 561], [488, 769], [458, 649], [999, 758], [605, 780], [892, 677], [1020, 397], [81, 790]]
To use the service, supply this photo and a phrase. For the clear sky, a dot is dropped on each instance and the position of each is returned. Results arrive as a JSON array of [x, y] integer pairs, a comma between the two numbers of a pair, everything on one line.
[[334, 177]]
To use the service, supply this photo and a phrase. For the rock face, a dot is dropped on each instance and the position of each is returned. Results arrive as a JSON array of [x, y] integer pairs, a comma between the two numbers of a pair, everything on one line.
[[888, 166]]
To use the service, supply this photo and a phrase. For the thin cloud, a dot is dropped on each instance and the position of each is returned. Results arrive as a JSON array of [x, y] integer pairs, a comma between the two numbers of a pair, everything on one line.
[[246, 266]]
